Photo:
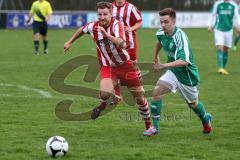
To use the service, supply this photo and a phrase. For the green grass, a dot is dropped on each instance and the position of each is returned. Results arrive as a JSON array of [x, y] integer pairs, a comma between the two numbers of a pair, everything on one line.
[[27, 119]]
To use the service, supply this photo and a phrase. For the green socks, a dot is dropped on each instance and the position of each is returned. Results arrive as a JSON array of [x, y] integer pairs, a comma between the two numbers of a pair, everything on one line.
[[200, 111], [220, 58], [236, 40], [156, 107], [225, 59]]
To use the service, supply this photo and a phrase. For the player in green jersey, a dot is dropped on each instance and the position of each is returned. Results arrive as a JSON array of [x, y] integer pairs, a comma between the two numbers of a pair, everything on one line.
[[225, 12], [237, 36], [181, 75]]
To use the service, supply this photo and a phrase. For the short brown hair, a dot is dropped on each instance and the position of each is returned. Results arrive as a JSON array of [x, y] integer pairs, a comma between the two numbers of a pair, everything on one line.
[[103, 5], [168, 11]]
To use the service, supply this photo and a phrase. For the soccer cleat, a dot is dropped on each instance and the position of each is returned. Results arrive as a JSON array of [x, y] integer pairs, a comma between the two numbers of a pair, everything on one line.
[[150, 131], [223, 71], [95, 113], [46, 51], [207, 127], [115, 100], [234, 48], [36, 52]]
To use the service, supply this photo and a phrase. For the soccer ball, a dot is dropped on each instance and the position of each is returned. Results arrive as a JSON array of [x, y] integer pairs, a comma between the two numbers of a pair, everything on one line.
[[57, 146]]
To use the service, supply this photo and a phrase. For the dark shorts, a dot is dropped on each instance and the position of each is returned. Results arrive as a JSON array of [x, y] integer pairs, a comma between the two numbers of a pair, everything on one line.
[[40, 27]]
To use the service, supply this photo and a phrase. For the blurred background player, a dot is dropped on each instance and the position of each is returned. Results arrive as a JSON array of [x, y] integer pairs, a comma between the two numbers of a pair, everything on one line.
[[116, 65], [224, 11], [131, 18], [41, 10], [237, 36], [181, 75]]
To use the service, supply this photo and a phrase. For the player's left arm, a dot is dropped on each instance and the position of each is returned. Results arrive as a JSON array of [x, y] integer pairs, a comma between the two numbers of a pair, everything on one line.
[[212, 18], [49, 12], [31, 13], [136, 16], [237, 19], [135, 27]]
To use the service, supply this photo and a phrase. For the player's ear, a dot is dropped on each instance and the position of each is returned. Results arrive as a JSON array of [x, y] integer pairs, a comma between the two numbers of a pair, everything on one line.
[[174, 20]]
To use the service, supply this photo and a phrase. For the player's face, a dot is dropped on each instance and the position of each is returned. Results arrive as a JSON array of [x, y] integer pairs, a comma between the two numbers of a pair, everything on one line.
[[167, 23], [120, 2], [104, 16]]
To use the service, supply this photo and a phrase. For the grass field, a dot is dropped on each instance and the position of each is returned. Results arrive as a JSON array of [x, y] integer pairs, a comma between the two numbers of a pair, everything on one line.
[[27, 117]]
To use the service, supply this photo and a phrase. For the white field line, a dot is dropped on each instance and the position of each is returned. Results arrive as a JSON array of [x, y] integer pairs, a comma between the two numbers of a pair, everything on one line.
[[36, 97], [41, 92]]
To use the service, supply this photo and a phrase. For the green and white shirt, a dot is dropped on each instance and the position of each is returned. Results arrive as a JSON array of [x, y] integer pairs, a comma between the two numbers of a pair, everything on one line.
[[225, 13], [177, 47]]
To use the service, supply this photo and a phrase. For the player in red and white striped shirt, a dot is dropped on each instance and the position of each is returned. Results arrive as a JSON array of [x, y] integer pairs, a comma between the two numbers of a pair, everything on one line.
[[131, 18], [109, 36]]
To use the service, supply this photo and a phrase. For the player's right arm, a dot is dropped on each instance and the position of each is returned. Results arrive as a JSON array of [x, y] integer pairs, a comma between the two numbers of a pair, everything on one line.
[[157, 64], [75, 36], [212, 18], [157, 49], [31, 13]]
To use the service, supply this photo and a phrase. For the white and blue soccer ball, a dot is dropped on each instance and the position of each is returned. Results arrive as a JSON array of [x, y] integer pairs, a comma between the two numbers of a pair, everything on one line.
[[57, 146]]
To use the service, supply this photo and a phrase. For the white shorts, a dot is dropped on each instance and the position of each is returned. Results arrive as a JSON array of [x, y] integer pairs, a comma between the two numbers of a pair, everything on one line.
[[223, 38], [188, 93]]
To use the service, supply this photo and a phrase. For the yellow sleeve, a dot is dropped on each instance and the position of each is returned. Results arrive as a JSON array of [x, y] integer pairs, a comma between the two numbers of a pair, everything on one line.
[[32, 9], [49, 9]]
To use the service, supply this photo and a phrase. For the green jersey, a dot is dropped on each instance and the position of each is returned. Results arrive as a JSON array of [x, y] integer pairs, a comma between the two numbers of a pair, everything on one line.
[[225, 12], [177, 47]]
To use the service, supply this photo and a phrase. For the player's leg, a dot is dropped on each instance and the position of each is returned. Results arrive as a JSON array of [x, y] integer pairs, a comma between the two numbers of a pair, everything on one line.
[[236, 40], [227, 45], [222, 56], [165, 85], [138, 94], [225, 59], [190, 94], [156, 102], [107, 83], [106, 91], [219, 42], [43, 31], [205, 117], [36, 33], [156, 106], [129, 77]]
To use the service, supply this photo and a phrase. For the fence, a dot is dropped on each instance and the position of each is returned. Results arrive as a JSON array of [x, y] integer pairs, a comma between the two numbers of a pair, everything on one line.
[[77, 5]]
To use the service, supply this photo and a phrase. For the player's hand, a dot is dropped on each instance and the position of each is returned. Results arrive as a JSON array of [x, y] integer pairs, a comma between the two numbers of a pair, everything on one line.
[[210, 29], [27, 22], [158, 66], [238, 29], [103, 31], [66, 47], [127, 29]]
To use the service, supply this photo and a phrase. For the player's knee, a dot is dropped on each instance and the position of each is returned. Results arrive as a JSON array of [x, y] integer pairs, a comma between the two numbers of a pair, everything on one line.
[[140, 100], [104, 95], [193, 104], [156, 96]]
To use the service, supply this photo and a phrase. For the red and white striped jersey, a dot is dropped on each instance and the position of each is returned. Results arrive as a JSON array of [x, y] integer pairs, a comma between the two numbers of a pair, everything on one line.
[[129, 15], [108, 53]]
